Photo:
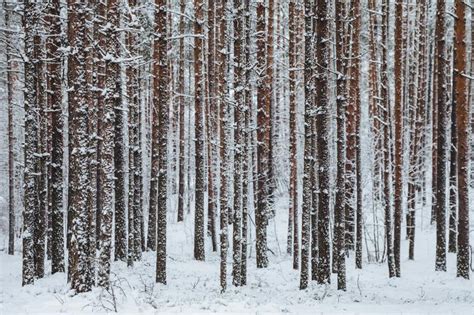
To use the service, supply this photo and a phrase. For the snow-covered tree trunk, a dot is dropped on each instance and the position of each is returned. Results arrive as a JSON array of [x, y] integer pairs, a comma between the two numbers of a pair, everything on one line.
[[239, 121], [120, 218], [224, 137], [55, 99], [199, 104], [182, 104], [212, 126], [339, 263], [461, 98], [263, 132], [107, 105], [246, 151], [161, 110], [11, 78], [293, 219], [31, 144], [387, 122], [442, 140], [41, 178], [308, 159], [322, 52], [398, 134], [79, 159]]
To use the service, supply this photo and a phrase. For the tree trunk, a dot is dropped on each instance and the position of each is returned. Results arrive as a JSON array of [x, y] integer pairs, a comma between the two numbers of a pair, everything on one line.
[[308, 163], [263, 132], [398, 134], [442, 141], [79, 159], [339, 263], [462, 114], [161, 118], [293, 220], [224, 146], [11, 78], [387, 185], [107, 106], [31, 145], [199, 251], [182, 103], [239, 121], [322, 130]]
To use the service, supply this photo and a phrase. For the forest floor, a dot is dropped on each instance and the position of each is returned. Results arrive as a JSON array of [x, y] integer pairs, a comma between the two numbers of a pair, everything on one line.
[[193, 287]]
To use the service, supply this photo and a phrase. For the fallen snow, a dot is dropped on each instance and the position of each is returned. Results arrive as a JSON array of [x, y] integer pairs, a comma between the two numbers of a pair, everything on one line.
[[194, 286]]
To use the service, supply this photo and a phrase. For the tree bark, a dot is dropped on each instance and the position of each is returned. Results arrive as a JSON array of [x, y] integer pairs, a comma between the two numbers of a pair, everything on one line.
[[308, 163], [199, 251], [161, 118], [31, 145], [462, 114], [107, 106], [442, 141]]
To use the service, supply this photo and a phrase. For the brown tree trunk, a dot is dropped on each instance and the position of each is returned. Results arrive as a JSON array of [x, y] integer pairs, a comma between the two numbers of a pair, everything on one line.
[[246, 152], [322, 125], [442, 141], [339, 262], [462, 114], [398, 134], [293, 220], [161, 118], [11, 79], [199, 130], [212, 126], [31, 145], [269, 110], [110, 82], [239, 121], [79, 159], [263, 133], [387, 140], [182, 104], [355, 92], [308, 163], [224, 137]]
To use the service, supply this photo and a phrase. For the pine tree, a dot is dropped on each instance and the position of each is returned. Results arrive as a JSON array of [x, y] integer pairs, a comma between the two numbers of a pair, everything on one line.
[[107, 106], [351, 148], [246, 156], [322, 124], [398, 134], [308, 164], [31, 144], [199, 103], [442, 141], [269, 109], [11, 155], [161, 109], [182, 104], [224, 143], [462, 114], [239, 121], [79, 268], [120, 189], [339, 211], [212, 125], [39, 236], [55, 100], [386, 140], [293, 220], [263, 130]]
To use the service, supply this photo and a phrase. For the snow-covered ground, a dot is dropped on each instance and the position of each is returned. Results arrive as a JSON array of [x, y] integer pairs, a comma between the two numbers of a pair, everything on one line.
[[194, 286]]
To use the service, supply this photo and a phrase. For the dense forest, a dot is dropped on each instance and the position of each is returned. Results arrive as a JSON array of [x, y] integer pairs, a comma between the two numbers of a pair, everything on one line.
[[330, 135]]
